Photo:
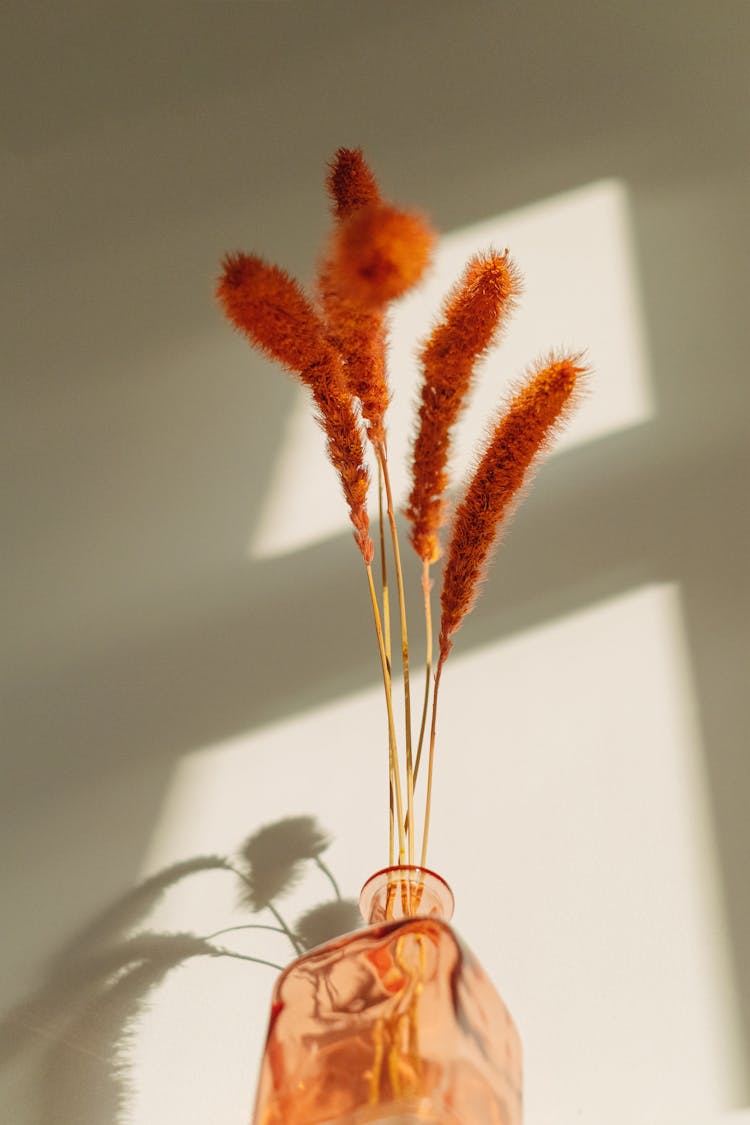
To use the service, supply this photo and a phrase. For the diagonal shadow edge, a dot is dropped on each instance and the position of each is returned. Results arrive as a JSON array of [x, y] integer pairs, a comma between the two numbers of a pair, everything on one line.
[[608, 520], [276, 637]]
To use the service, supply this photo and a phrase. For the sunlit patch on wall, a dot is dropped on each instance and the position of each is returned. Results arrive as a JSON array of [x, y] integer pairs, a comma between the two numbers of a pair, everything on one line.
[[572, 819], [581, 290], [598, 849]]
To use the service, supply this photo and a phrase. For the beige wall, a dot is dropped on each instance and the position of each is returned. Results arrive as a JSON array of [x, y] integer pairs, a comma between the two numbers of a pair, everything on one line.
[[138, 435]]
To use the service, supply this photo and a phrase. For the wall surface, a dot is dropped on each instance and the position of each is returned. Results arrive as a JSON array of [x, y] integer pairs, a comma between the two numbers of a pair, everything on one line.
[[174, 676]]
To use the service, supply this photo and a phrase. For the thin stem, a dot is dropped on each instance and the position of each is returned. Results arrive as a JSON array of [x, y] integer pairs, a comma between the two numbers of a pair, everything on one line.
[[384, 569], [426, 588], [387, 641], [391, 819], [329, 876], [382, 459], [392, 747], [428, 801]]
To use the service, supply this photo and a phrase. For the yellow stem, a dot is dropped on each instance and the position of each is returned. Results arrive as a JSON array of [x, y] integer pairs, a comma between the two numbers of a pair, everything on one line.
[[391, 818], [428, 801], [426, 585], [387, 641], [377, 1062], [392, 747], [382, 459], [384, 570]]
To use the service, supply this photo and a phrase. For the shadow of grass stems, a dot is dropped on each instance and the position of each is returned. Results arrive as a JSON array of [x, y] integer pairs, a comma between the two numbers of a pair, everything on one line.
[[99, 982]]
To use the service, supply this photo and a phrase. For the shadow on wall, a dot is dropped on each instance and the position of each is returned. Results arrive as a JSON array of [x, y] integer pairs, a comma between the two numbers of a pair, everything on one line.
[[101, 981], [140, 439]]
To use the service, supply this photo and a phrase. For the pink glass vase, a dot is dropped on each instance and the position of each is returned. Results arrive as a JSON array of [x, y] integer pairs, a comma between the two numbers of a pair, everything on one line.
[[396, 1023]]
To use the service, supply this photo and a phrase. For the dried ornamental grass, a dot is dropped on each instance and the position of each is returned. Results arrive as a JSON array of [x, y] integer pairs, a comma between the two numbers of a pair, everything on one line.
[[336, 346], [473, 317], [269, 307], [521, 433]]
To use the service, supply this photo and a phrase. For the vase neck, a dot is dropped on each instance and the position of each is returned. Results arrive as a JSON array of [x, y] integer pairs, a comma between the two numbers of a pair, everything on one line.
[[405, 892]]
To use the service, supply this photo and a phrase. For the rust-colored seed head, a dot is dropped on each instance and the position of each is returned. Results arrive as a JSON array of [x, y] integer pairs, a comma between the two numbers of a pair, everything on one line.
[[473, 316], [269, 307], [376, 253], [345, 446], [359, 336], [474, 313], [379, 253], [520, 434], [351, 183]]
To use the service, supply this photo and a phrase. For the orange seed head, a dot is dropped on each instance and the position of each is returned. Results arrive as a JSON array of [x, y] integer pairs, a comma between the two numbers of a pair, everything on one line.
[[269, 307], [520, 434], [380, 252], [351, 183]]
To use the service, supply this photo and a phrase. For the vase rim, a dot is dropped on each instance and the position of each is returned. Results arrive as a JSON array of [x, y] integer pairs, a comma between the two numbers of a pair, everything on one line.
[[435, 897]]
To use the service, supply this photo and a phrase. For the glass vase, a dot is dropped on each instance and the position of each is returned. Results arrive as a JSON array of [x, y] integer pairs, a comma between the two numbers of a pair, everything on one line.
[[396, 1023]]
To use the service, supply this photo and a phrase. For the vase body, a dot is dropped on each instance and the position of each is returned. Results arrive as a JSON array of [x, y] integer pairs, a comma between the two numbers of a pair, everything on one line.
[[396, 1023]]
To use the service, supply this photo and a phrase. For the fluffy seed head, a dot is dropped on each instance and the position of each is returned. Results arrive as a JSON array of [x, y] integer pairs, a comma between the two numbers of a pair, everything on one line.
[[474, 312], [351, 183], [266, 304], [473, 316], [380, 252], [269, 307], [521, 433]]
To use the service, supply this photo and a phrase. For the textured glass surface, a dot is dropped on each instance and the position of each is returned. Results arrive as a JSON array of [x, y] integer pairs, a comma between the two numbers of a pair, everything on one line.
[[405, 892], [396, 1023]]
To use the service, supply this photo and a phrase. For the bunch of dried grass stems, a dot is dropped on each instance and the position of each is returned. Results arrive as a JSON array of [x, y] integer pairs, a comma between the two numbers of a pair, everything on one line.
[[335, 344]]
